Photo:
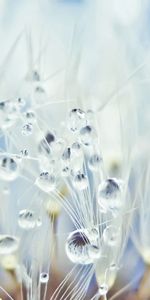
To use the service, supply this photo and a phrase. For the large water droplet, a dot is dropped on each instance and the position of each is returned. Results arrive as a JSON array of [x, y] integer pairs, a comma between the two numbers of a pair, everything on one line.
[[8, 244], [46, 182], [77, 119], [109, 194], [77, 247], [80, 181], [8, 168], [27, 219]]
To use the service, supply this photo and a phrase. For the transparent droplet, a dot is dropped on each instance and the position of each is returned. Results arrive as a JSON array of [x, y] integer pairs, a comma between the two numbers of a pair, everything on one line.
[[24, 153], [94, 251], [109, 194], [93, 233], [58, 147], [27, 129], [8, 168], [103, 289], [95, 162], [80, 181], [77, 247], [77, 119], [27, 219], [8, 113], [46, 182], [21, 102], [66, 156], [44, 277], [88, 135], [111, 235], [30, 116], [65, 171], [35, 76], [8, 244], [76, 149]]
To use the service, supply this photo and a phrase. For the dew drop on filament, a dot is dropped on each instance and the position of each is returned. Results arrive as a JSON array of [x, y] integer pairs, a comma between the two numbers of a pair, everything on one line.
[[27, 219], [111, 235], [27, 129], [77, 119], [8, 244], [80, 181], [109, 194], [44, 277], [77, 247], [8, 168], [46, 182]]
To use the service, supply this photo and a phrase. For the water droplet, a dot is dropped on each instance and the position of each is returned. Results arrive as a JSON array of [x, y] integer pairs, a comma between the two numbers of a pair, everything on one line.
[[24, 153], [103, 289], [111, 235], [88, 135], [93, 233], [65, 171], [44, 277], [8, 113], [109, 194], [46, 182], [8, 168], [21, 102], [35, 76], [94, 251], [66, 154], [80, 181], [30, 116], [77, 119], [27, 219], [95, 162], [77, 247], [27, 129], [8, 244]]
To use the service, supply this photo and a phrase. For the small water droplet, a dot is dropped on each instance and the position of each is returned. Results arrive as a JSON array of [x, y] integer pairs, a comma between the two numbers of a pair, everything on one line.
[[30, 116], [24, 153], [27, 129], [77, 119], [103, 289], [27, 219], [111, 235], [95, 162], [94, 251], [80, 181], [44, 277], [109, 194], [8, 168], [46, 182], [88, 135]]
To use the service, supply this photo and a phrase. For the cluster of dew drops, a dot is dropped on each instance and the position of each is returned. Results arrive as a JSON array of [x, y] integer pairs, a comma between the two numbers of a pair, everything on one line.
[[73, 158]]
